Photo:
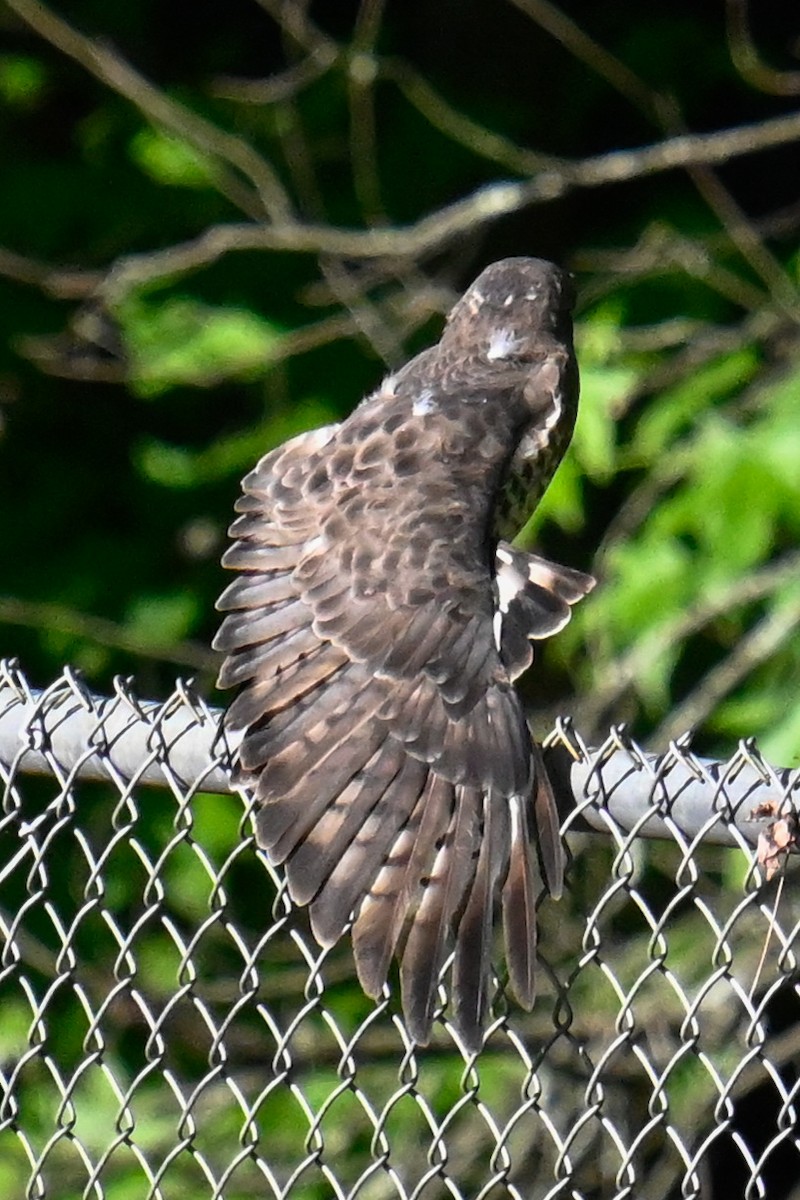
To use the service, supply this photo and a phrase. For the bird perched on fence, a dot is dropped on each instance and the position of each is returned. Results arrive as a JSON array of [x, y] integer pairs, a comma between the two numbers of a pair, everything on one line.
[[377, 621]]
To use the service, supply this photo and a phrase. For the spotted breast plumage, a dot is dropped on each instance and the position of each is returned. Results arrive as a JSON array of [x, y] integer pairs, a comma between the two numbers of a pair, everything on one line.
[[377, 621]]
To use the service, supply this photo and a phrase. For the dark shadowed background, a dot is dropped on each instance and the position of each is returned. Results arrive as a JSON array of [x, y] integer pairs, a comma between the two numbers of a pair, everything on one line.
[[137, 385]]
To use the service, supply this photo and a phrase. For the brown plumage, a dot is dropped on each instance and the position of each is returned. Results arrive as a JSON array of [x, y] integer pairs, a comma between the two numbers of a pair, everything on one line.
[[377, 623]]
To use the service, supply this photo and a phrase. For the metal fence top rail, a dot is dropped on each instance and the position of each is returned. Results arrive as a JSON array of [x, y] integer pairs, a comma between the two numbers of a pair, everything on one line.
[[169, 1028], [68, 730]]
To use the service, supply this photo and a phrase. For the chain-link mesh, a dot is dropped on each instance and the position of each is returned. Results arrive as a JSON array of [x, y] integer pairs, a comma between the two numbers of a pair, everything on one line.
[[168, 1028]]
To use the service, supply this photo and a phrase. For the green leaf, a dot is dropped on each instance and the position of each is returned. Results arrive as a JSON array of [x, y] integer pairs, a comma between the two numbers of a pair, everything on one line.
[[603, 389], [647, 581], [23, 81], [747, 713], [216, 821], [178, 467], [182, 341], [674, 410], [561, 503], [607, 380], [163, 619], [780, 743], [170, 160]]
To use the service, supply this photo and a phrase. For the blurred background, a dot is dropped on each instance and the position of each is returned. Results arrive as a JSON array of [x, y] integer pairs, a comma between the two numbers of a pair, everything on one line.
[[221, 223]]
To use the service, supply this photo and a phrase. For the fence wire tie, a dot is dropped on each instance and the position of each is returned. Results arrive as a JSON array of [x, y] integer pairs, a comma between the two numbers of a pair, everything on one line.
[[748, 753], [12, 677], [594, 780], [189, 698], [566, 736], [681, 750], [123, 690], [156, 741], [34, 728], [77, 685]]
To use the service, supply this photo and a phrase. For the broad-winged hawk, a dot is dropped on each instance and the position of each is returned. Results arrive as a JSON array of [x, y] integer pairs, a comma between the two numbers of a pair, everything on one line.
[[377, 620]]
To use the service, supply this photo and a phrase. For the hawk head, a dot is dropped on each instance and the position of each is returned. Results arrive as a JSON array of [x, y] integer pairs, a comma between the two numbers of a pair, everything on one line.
[[512, 308]]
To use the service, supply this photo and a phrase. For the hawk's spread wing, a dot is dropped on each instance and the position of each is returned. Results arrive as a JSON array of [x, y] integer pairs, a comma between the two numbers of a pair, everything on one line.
[[393, 767]]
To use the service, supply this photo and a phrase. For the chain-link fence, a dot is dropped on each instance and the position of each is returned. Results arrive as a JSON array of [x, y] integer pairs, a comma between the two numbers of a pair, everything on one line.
[[168, 1028]]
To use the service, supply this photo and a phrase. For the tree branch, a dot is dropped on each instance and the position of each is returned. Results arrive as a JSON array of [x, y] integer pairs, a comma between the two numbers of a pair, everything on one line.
[[266, 198], [664, 111], [64, 283], [35, 614], [435, 230], [748, 62], [752, 587], [758, 645]]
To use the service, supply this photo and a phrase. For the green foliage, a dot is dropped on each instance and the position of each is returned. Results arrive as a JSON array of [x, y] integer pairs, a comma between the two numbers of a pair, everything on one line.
[[181, 467], [170, 160], [730, 498], [164, 618], [181, 341], [682, 472], [23, 80], [606, 382]]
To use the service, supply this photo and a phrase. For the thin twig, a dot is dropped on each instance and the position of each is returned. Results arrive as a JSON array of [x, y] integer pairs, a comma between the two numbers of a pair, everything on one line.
[[295, 23], [319, 52], [344, 286], [663, 110], [33, 614], [758, 645], [460, 128], [773, 920], [646, 256], [747, 60], [746, 238], [65, 283], [723, 601], [284, 85], [362, 73], [582, 46], [367, 316], [266, 198], [483, 206]]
